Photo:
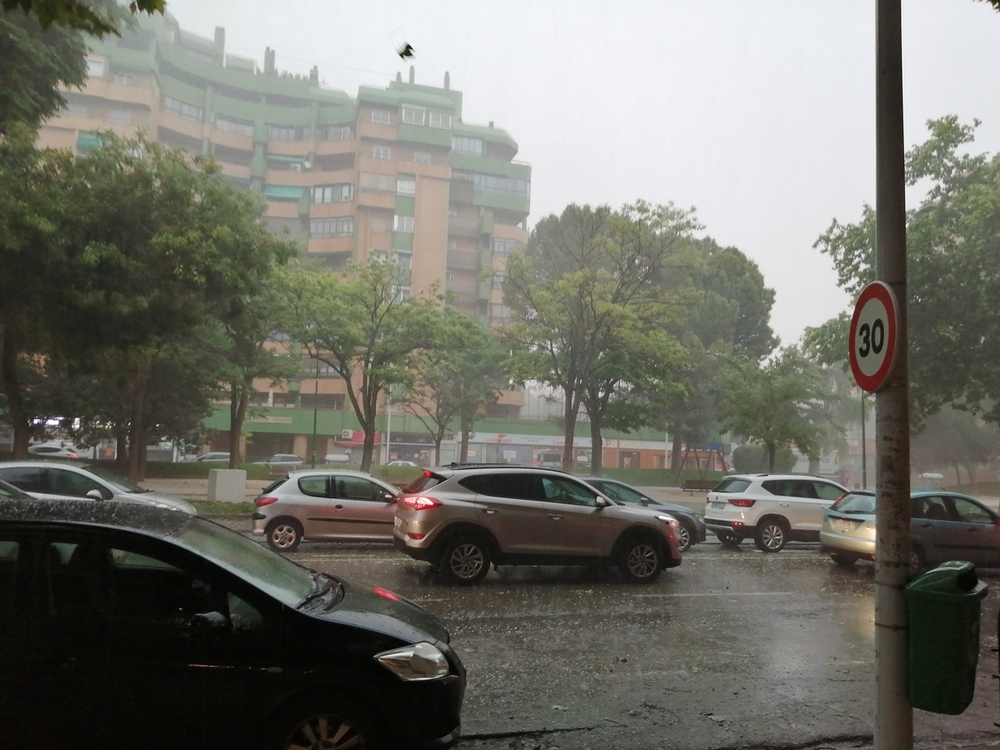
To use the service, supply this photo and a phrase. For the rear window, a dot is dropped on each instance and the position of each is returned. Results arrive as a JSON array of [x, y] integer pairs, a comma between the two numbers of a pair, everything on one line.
[[855, 502], [424, 481], [732, 484]]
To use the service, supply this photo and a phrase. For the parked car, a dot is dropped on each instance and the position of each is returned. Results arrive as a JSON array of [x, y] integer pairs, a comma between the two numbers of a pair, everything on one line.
[[771, 508], [214, 457], [692, 530], [402, 463], [324, 504], [130, 616], [56, 479], [279, 463], [466, 517], [54, 450], [943, 526]]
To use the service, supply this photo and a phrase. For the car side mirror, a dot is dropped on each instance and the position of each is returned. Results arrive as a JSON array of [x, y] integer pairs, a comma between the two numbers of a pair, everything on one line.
[[603, 502], [95, 495], [391, 497], [209, 623]]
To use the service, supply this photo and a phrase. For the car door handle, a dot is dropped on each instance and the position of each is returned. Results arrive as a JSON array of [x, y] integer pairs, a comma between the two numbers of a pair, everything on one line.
[[339, 507], [555, 517], [490, 511]]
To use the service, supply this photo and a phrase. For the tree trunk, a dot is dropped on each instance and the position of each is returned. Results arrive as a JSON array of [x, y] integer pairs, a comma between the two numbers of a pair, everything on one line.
[[596, 449], [569, 433], [675, 450], [238, 402], [20, 420], [136, 425]]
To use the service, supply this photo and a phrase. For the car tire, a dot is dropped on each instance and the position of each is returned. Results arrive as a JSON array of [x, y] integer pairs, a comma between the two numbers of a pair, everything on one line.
[[466, 560], [640, 560], [771, 535], [685, 537], [728, 538], [324, 721], [842, 560], [283, 534]]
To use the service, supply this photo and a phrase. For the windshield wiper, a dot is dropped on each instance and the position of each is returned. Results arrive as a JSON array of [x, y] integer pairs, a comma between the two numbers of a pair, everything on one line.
[[322, 585]]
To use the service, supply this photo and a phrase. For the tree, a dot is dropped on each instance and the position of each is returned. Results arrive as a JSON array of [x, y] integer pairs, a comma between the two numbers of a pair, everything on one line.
[[97, 17], [955, 438], [781, 403], [364, 330], [951, 255], [582, 278], [460, 372]]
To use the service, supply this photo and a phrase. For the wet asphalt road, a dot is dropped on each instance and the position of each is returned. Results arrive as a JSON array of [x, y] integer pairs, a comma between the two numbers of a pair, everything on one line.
[[734, 649]]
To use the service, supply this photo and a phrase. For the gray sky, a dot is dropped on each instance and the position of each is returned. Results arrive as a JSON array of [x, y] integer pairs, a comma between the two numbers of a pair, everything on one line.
[[759, 114]]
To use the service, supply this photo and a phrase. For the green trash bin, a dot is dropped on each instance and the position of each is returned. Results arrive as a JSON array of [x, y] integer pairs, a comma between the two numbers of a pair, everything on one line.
[[944, 606]]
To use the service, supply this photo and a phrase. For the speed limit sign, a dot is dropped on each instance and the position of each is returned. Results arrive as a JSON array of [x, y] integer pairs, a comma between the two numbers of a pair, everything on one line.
[[874, 336]]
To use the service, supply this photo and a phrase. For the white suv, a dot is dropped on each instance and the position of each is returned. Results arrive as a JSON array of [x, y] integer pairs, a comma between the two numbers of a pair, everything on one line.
[[772, 508]]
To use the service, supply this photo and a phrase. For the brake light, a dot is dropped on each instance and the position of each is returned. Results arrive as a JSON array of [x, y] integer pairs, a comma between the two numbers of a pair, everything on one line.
[[421, 502], [386, 593], [72, 455], [262, 501], [742, 503]]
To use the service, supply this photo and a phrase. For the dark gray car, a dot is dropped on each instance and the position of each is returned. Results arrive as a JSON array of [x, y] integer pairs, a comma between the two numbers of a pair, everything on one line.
[[692, 523]]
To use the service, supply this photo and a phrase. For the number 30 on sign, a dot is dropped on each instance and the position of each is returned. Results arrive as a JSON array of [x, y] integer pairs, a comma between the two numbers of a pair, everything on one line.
[[874, 336]]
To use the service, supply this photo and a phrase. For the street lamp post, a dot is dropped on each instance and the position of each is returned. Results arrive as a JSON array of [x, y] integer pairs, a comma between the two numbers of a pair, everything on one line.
[[315, 412]]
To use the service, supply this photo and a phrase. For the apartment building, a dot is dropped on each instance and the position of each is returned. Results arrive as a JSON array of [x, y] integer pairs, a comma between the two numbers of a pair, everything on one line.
[[392, 172]]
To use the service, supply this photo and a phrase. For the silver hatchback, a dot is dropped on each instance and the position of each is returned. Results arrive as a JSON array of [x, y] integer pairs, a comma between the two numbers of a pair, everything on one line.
[[324, 504]]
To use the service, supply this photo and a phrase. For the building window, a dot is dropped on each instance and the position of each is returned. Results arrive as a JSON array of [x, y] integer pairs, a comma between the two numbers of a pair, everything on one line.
[[282, 132], [452, 243], [498, 279], [406, 186], [422, 157], [403, 260], [414, 115], [182, 109], [120, 116], [382, 152], [341, 192], [503, 247], [342, 227], [76, 109], [492, 183], [338, 133], [440, 120], [467, 145], [499, 311], [383, 184], [95, 66], [231, 125], [402, 223], [125, 79], [382, 116], [402, 294]]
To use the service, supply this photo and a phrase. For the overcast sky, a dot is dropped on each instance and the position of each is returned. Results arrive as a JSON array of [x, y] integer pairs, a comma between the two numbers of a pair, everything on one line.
[[759, 114]]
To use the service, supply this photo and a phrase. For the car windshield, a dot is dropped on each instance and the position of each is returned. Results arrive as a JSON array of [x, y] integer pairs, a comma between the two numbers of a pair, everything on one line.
[[855, 502], [286, 581]]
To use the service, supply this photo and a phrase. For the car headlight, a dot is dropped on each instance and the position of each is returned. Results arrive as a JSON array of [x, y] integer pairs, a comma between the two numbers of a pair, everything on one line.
[[668, 520], [421, 661]]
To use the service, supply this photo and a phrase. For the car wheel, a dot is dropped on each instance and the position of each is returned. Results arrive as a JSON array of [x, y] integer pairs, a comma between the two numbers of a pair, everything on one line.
[[771, 536], [729, 538], [283, 534], [466, 560], [324, 723], [844, 561], [684, 537], [640, 560]]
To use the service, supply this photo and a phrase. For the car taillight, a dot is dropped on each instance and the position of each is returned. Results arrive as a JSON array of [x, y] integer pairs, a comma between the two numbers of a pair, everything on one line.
[[386, 594], [421, 502], [262, 501], [72, 455], [742, 502]]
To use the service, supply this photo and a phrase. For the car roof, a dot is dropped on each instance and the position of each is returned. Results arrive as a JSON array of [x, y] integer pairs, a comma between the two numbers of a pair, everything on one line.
[[46, 462], [147, 519]]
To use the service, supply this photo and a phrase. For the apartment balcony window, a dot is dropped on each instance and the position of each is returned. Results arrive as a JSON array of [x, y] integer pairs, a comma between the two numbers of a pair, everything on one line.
[[498, 279], [182, 109], [76, 109], [440, 120], [96, 66], [422, 157], [340, 227], [503, 247], [231, 125], [382, 152], [120, 117], [402, 294], [406, 187], [467, 145], [382, 116], [403, 260], [338, 133], [414, 115], [402, 223], [284, 133], [125, 79], [371, 182], [341, 192]]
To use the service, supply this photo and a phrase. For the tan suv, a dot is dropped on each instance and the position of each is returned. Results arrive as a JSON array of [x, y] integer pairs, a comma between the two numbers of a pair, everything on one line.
[[465, 518]]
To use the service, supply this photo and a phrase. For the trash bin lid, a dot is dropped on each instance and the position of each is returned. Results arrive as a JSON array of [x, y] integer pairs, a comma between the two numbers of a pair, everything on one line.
[[949, 580]]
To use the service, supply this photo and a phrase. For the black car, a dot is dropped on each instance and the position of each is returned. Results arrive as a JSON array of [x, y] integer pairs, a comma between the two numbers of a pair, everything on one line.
[[692, 523], [131, 626]]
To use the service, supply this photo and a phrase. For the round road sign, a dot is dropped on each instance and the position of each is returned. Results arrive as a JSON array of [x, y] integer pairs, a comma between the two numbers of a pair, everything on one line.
[[874, 336]]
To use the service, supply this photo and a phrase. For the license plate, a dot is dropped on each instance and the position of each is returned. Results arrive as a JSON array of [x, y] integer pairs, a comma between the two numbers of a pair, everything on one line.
[[718, 506], [398, 522], [842, 523]]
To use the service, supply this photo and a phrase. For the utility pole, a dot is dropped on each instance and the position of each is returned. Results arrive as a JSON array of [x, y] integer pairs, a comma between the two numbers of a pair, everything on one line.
[[894, 711]]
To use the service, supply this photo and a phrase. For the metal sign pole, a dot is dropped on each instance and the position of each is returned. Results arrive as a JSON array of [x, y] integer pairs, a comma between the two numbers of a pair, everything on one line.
[[894, 712]]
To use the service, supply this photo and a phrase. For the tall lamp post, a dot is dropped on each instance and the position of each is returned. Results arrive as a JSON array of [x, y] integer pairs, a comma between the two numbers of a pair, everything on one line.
[[315, 412]]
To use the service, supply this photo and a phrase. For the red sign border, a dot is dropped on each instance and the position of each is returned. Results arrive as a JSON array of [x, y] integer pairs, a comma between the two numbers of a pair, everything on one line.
[[883, 292]]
